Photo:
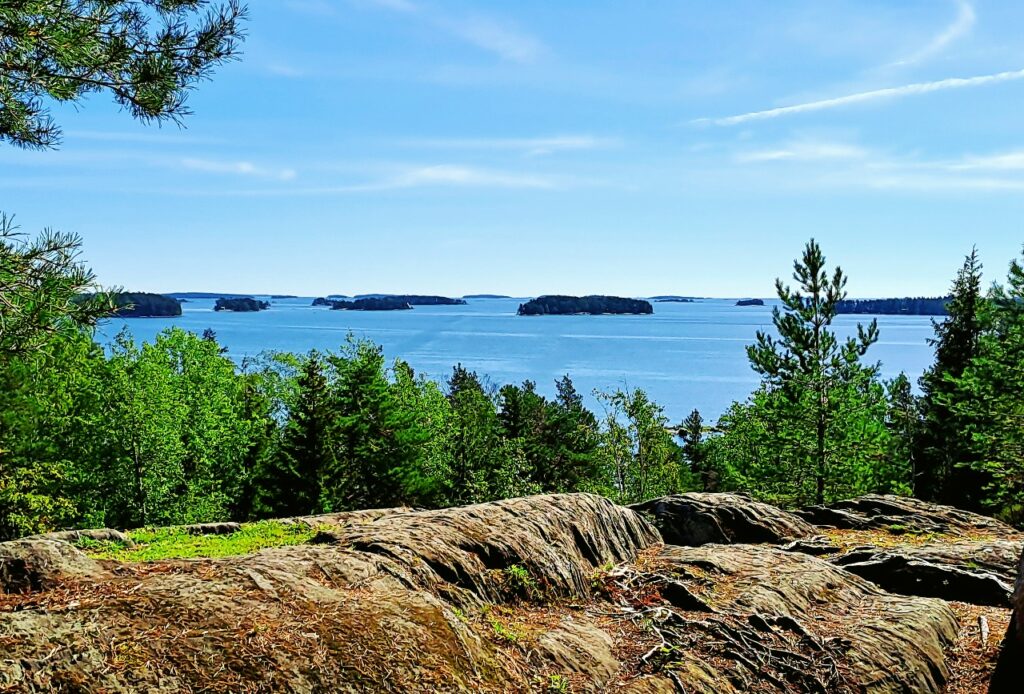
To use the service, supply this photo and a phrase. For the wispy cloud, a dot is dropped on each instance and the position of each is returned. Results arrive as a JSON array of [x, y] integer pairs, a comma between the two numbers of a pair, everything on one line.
[[452, 175], [866, 97], [1005, 161], [804, 151], [959, 27], [498, 36], [530, 146], [240, 168]]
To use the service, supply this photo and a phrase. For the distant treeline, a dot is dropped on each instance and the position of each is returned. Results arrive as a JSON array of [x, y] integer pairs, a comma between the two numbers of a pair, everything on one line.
[[242, 305], [555, 305], [145, 305], [417, 299], [909, 306]]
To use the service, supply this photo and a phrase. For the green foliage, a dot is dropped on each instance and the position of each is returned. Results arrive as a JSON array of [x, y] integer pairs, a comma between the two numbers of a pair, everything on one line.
[[175, 543], [148, 54], [985, 401], [42, 283], [943, 447], [642, 459], [518, 581], [819, 408]]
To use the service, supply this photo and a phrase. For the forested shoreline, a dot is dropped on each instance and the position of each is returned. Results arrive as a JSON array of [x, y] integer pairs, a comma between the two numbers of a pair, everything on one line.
[[175, 432]]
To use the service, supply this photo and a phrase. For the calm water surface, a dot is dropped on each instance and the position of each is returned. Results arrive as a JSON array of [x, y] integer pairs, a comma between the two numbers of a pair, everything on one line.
[[684, 356]]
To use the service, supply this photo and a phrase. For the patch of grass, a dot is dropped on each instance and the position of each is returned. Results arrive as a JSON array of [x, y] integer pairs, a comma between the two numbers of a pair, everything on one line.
[[505, 632], [519, 581], [558, 683], [154, 544]]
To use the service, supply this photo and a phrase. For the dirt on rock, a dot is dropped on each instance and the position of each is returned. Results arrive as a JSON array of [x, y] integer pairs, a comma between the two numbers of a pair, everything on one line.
[[546, 593]]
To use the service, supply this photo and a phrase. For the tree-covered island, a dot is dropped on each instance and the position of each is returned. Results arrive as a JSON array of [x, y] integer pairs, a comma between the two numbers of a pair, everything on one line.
[[241, 305], [146, 305], [906, 306], [750, 302], [557, 305], [383, 303]]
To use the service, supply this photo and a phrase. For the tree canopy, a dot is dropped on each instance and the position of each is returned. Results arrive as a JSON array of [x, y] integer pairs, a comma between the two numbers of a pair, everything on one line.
[[147, 54]]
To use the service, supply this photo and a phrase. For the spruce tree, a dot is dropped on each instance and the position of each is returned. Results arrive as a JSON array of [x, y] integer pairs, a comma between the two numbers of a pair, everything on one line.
[[291, 484], [944, 442], [691, 431]]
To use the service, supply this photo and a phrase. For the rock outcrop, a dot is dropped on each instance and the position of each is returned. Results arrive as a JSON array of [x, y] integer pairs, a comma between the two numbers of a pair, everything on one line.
[[779, 621], [534, 594], [1009, 672], [34, 565], [698, 518], [980, 572], [903, 514]]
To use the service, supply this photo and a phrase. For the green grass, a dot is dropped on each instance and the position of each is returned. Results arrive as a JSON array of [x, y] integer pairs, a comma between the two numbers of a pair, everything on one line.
[[153, 544]]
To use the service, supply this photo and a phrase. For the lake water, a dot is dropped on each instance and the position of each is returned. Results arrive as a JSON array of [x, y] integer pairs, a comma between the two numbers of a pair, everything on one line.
[[686, 355]]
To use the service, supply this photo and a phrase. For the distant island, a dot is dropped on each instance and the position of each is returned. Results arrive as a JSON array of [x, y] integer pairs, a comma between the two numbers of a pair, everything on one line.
[[750, 302], [283, 296], [207, 295], [907, 306], [145, 305], [240, 304], [417, 299], [384, 303], [556, 305], [673, 298], [486, 296]]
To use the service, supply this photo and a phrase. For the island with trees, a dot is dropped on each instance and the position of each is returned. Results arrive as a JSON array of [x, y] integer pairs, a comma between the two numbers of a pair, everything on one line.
[[906, 306], [146, 305], [417, 299], [383, 303], [750, 302], [559, 305], [241, 305], [207, 295], [486, 296], [672, 299]]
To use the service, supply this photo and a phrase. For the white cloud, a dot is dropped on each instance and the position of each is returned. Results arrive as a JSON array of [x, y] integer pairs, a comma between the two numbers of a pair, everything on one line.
[[959, 27], [452, 175], [804, 151], [865, 97], [1006, 161], [531, 146], [283, 70], [241, 168], [500, 38]]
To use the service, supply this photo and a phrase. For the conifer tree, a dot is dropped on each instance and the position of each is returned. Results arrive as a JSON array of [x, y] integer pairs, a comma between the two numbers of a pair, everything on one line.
[[943, 446], [291, 484], [807, 363]]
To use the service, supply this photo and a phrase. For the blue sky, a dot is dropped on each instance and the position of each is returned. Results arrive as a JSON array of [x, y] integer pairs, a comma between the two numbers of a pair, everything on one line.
[[581, 146]]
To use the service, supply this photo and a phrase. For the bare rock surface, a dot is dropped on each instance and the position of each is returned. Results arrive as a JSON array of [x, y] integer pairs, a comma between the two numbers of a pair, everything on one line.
[[699, 518], [518, 595], [980, 572], [1009, 672], [903, 514], [33, 565], [781, 621]]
